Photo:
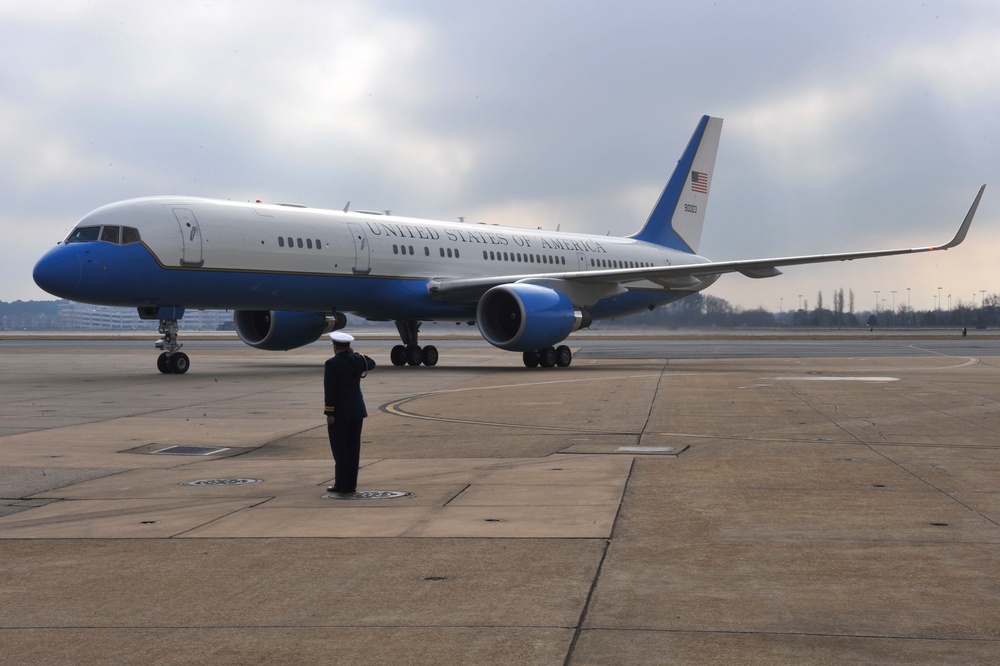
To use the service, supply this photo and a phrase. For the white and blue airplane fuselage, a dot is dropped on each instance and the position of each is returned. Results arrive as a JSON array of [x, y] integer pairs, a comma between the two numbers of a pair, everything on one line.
[[289, 272]]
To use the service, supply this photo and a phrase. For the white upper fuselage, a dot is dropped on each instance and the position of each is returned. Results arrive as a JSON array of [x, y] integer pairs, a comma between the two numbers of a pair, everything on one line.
[[261, 256], [292, 239]]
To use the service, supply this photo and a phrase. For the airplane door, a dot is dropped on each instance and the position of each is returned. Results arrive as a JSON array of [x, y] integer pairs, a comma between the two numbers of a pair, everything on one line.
[[191, 245], [362, 252], [581, 261]]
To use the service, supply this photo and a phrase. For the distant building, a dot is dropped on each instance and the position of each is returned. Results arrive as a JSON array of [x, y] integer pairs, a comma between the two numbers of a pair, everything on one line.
[[82, 317]]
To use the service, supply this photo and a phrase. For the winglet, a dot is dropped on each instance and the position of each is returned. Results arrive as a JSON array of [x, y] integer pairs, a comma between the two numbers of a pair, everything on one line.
[[966, 223]]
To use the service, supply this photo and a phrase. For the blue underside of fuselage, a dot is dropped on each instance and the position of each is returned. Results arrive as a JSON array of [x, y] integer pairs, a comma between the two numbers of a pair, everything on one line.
[[129, 276]]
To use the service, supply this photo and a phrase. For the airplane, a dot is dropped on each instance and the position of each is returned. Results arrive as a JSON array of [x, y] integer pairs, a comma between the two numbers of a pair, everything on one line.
[[290, 272]]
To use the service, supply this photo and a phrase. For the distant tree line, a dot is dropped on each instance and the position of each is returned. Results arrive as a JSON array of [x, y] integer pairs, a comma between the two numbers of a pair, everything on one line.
[[705, 311]]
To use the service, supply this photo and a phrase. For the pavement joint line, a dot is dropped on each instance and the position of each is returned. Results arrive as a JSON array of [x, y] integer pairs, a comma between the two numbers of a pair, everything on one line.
[[584, 611]]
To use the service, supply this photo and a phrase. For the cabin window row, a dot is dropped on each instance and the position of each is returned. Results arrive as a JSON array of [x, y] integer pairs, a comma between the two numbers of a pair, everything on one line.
[[108, 233], [408, 249], [524, 258], [298, 242], [615, 263]]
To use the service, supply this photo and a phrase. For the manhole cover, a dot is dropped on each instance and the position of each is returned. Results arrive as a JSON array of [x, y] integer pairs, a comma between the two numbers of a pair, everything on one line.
[[221, 482], [190, 451], [367, 495]]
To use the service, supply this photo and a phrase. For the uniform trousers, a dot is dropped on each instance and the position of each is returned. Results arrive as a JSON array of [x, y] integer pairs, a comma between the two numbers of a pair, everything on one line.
[[345, 443]]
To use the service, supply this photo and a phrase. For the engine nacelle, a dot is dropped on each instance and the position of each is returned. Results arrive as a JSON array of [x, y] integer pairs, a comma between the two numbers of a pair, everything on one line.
[[280, 330], [526, 317]]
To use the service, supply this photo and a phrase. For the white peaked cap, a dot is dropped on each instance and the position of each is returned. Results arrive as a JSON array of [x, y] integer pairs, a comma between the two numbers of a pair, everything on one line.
[[341, 337]]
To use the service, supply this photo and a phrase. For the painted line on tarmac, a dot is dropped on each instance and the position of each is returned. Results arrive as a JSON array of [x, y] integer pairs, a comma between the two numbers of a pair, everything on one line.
[[396, 406], [969, 360]]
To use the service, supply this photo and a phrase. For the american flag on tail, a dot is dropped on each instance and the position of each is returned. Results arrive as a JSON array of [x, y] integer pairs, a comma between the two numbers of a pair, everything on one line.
[[699, 182]]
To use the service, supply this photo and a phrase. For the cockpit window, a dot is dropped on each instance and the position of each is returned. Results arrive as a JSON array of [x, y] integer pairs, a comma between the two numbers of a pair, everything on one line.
[[109, 234], [112, 235], [130, 235], [84, 234]]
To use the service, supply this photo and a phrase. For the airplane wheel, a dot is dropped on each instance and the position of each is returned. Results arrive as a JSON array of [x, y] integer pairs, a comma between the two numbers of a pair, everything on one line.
[[398, 355], [547, 357], [414, 355], [163, 364], [564, 356], [430, 355], [179, 363], [530, 359]]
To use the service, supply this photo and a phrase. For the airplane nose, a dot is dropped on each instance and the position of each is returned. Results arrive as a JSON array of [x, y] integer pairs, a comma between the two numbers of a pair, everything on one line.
[[58, 272]]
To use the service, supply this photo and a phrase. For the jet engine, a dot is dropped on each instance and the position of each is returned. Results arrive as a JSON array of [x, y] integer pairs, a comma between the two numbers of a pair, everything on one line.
[[527, 317], [280, 330]]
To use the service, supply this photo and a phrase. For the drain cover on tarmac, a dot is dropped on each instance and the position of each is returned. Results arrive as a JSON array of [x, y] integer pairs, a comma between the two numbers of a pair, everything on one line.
[[221, 482], [367, 495], [190, 451], [645, 449]]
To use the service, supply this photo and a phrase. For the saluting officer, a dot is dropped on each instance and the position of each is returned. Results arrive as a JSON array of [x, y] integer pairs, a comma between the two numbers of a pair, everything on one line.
[[345, 409]]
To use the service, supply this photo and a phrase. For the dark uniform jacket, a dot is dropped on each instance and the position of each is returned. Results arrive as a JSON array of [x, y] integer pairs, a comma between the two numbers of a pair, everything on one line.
[[342, 385]]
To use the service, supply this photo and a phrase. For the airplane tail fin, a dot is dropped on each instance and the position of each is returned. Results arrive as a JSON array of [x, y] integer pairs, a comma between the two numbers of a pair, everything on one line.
[[678, 216]]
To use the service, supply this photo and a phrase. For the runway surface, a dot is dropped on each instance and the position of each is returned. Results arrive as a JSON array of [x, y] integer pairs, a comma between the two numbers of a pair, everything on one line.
[[660, 501]]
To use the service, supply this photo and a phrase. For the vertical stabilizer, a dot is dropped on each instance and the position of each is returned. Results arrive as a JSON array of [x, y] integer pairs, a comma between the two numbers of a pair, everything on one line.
[[678, 216]]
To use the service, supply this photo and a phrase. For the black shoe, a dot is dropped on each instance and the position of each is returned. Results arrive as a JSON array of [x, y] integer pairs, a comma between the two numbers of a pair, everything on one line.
[[342, 491]]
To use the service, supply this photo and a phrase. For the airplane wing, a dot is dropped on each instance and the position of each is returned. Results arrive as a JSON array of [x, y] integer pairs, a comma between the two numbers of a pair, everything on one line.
[[587, 287]]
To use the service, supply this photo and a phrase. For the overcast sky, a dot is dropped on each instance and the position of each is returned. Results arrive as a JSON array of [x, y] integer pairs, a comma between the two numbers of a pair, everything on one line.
[[848, 126]]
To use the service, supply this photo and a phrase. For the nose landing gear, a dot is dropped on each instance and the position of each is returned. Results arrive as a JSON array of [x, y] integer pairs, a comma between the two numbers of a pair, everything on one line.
[[172, 361]]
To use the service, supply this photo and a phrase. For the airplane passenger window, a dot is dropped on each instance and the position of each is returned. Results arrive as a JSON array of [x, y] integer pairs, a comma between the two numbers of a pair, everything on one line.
[[291, 242], [130, 235], [309, 243], [281, 241], [300, 242], [395, 249], [456, 253], [84, 234], [449, 252], [427, 251], [442, 251], [319, 245]]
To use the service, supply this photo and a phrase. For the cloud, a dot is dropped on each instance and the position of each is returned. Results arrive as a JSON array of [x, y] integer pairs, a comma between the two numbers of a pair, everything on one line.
[[846, 126]]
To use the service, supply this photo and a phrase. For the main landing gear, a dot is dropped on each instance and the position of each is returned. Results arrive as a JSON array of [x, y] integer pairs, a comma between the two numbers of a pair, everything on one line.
[[549, 357], [411, 353], [171, 361]]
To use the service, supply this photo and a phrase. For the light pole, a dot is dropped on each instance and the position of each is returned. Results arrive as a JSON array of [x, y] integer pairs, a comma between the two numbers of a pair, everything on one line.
[[876, 301], [939, 299]]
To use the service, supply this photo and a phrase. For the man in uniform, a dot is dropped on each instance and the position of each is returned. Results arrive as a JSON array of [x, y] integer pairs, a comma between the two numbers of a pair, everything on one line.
[[345, 409]]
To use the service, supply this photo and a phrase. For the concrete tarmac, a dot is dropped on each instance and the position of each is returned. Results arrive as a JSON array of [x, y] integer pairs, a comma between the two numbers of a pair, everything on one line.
[[626, 510]]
